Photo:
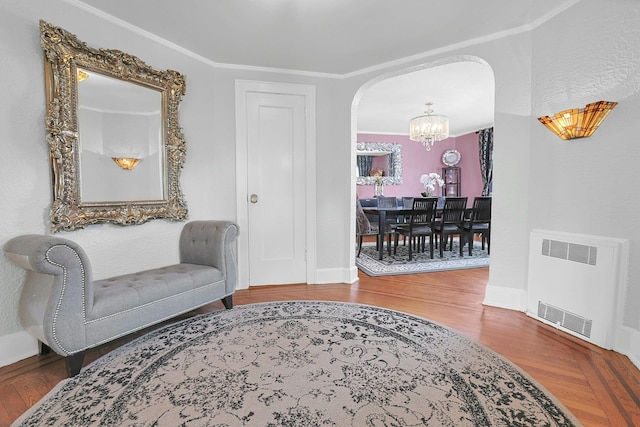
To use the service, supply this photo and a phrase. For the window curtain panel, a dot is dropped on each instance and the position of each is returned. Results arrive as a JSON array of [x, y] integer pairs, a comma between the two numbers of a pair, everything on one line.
[[485, 144], [364, 165]]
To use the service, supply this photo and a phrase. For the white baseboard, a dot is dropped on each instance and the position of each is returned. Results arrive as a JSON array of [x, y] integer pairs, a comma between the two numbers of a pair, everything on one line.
[[336, 275], [17, 346], [498, 296], [627, 342]]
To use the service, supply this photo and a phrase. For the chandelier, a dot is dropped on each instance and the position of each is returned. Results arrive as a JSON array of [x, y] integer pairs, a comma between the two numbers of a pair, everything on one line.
[[429, 128]]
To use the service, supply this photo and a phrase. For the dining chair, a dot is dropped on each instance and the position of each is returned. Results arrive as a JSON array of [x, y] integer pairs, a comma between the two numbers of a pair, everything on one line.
[[407, 202], [479, 223], [391, 219], [420, 225], [364, 227], [451, 222]]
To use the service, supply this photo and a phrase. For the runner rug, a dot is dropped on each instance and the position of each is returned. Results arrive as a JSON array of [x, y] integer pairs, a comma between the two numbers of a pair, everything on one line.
[[399, 263], [300, 364]]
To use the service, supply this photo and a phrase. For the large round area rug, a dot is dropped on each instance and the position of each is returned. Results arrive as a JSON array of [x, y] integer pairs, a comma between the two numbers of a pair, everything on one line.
[[300, 364]]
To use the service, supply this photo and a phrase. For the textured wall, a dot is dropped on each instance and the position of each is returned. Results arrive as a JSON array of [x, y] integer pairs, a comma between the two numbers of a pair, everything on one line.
[[589, 185]]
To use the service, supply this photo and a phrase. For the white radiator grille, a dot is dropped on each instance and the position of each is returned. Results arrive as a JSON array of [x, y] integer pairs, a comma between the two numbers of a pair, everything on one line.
[[574, 283], [563, 318], [570, 251]]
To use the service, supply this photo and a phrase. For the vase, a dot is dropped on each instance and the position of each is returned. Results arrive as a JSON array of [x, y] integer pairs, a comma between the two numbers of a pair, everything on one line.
[[378, 189]]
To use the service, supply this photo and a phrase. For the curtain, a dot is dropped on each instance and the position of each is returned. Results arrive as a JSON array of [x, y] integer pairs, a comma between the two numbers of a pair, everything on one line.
[[364, 165], [485, 144]]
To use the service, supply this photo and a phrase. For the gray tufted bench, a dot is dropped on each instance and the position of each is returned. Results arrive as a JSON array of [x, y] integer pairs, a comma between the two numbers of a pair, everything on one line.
[[68, 312]]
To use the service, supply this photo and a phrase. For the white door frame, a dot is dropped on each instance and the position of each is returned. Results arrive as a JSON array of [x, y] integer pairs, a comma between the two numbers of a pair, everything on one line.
[[243, 87]]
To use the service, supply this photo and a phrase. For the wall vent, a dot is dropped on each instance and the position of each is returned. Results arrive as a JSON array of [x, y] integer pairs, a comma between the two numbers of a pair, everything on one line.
[[570, 251], [560, 317]]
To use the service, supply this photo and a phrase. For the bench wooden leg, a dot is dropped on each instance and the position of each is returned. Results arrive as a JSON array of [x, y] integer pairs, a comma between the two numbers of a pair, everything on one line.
[[74, 363], [228, 302], [43, 348]]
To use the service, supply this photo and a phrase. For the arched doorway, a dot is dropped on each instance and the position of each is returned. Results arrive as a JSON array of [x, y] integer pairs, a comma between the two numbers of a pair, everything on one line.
[[461, 87]]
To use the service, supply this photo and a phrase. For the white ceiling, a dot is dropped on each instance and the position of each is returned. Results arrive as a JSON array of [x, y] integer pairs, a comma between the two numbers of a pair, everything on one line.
[[339, 38]]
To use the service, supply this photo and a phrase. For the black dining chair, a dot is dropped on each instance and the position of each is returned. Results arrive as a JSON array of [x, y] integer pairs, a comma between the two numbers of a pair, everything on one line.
[[391, 221], [420, 225], [451, 222], [479, 223]]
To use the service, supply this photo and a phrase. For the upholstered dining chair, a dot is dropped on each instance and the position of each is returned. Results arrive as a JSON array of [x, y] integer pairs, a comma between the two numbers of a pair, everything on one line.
[[421, 221], [451, 222], [364, 227], [479, 223]]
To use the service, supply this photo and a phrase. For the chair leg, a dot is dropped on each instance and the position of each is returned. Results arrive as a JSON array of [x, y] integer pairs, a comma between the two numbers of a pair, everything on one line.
[[359, 245], [431, 246]]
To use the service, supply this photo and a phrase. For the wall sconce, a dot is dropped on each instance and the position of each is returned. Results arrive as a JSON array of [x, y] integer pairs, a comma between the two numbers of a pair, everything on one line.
[[578, 123], [126, 163]]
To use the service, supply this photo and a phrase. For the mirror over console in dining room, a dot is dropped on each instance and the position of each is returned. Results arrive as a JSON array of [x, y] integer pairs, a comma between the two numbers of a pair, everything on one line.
[[379, 156], [116, 146]]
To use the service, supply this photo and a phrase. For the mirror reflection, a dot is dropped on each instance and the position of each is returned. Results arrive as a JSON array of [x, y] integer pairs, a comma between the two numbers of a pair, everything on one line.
[[120, 139], [375, 157]]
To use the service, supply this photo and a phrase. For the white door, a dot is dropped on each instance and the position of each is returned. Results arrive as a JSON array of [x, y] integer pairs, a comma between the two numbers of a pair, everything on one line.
[[276, 133]]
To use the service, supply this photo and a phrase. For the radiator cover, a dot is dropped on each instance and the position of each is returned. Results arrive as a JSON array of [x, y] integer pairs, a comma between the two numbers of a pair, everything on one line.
[[575, 283]]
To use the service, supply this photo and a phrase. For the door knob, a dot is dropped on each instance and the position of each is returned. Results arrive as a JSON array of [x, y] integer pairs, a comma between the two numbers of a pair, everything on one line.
[[253, 198]]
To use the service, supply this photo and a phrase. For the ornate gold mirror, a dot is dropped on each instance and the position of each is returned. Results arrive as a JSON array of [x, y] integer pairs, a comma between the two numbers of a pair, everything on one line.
[[116, 146]]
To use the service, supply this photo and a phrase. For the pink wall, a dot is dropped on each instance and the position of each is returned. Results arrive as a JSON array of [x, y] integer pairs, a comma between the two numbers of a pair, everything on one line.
[[416, 160]]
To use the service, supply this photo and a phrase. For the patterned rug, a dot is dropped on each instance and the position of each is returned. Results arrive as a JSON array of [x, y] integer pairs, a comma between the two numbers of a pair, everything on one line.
[[300, 364], [399, 263]]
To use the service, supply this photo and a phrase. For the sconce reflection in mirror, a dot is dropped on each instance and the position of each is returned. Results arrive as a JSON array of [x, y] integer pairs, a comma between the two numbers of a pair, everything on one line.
[[127, 163], [578, 122]]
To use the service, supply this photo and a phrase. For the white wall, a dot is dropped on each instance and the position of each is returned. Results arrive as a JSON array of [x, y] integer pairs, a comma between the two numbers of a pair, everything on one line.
[[532, 166]]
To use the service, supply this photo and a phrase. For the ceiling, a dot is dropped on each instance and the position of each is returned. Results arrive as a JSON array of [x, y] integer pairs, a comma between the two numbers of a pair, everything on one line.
[[340, 38]]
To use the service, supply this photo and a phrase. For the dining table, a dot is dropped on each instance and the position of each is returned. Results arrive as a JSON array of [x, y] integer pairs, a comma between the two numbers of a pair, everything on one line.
[[383, 212]]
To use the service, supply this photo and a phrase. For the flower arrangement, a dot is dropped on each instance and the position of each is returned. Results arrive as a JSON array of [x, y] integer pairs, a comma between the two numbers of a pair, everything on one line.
[[378, 189], [429, 180]]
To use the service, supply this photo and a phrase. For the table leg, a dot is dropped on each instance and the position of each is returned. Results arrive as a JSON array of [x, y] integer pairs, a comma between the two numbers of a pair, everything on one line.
[[382, 219]]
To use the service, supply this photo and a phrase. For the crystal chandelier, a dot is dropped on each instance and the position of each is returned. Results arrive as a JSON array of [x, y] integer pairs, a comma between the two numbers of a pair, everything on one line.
[[429, 128]]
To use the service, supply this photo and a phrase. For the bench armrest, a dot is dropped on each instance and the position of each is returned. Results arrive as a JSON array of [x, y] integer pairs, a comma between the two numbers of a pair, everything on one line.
[[211, 243], [57, 289]]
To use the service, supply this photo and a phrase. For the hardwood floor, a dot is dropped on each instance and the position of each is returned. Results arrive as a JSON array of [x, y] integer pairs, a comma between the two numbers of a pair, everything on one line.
[[600, 387]]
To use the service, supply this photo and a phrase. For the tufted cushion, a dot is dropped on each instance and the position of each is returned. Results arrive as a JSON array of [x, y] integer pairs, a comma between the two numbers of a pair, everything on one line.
[[122, 293]]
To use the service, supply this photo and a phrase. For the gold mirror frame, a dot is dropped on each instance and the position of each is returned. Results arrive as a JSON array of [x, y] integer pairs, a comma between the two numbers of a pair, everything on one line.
[[64, 53]]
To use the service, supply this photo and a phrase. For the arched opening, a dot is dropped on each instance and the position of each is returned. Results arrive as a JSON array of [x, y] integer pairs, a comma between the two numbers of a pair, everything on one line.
[[461, 87]]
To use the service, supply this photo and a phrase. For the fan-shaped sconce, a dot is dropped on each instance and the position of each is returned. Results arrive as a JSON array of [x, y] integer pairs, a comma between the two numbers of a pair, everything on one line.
[[578, 122], [126, 163]]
